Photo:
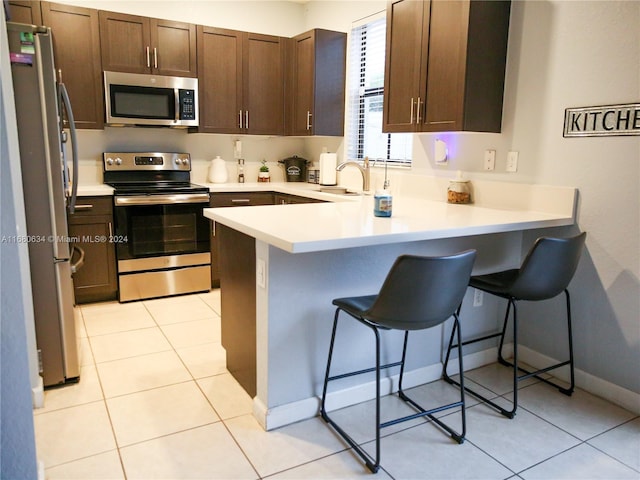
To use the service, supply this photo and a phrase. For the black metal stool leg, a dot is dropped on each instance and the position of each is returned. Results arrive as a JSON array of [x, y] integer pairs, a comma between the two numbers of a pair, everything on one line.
[[371, 465], [458, 437], [323, 411], [404, 356], [448, 379], [569, 391]]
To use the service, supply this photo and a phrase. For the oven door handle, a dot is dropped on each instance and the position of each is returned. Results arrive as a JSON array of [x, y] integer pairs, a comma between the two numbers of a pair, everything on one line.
[[161, 199]]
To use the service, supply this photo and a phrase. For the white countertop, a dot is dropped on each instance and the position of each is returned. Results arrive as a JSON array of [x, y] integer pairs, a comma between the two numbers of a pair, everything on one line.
[[349, 222], [94, 190], [346, 221]]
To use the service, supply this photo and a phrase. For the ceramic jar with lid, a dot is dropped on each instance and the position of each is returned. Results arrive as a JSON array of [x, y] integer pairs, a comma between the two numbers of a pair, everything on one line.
[[218, 170]]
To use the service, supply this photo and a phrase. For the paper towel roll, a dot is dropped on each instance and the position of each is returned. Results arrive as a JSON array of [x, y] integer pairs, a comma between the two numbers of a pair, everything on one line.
[[328, 164]]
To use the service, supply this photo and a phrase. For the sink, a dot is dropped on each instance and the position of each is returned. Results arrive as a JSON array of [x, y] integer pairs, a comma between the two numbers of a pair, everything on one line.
[[338, 190]]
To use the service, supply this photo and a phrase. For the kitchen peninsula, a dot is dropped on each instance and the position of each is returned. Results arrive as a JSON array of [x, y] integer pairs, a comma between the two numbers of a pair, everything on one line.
[[281, 266]]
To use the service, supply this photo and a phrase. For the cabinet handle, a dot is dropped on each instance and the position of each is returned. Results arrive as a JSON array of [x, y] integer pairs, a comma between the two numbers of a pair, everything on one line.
[[418, 112], [148, 57], [411, 119], [309, 115], [246, 119], [240, 200], [110, 230], [240, 115], [155, 57], [84, 206]]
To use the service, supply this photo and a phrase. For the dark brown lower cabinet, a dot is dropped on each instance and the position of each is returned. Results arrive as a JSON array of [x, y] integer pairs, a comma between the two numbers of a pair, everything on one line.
[[91, 228], [238, 282], [233, 199]]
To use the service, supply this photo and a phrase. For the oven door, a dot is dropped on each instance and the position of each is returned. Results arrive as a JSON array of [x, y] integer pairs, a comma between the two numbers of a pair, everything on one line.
[[162, 245]]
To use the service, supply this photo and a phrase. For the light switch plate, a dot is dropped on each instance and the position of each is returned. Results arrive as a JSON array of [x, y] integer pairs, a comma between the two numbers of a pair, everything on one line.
[[489, 159], [512, 162], [261, 273]]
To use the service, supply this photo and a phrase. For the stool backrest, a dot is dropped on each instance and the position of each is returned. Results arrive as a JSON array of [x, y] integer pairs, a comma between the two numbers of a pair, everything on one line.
[[420, 292], [548, 268]]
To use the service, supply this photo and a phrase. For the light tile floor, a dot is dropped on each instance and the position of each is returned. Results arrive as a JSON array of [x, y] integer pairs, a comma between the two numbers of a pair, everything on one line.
[[156, 401]]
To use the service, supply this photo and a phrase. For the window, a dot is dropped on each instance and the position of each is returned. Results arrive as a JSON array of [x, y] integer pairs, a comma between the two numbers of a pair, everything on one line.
[[365, 99]]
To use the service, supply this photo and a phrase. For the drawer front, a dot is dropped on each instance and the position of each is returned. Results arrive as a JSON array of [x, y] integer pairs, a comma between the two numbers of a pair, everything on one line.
[[94, 206], [241, 199]]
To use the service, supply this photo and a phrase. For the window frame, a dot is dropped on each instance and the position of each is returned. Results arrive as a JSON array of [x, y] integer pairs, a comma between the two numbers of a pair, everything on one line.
[[356, 103]]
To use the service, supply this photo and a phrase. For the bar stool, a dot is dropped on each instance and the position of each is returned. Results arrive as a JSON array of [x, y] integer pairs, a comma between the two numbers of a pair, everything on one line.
[[545, 273], [418, 293]]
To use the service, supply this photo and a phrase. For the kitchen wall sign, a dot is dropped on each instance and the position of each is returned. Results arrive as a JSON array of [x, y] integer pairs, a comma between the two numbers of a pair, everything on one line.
[[602, 121]]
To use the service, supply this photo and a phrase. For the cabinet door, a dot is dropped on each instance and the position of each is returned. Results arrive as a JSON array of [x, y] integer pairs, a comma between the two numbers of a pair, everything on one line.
[[96, 280], [263, 94], [302, 84], [76, 43], [219, 79], [231, 200], [25, 11], [405, 65], [125, 42], [445, 83], [173, 48]]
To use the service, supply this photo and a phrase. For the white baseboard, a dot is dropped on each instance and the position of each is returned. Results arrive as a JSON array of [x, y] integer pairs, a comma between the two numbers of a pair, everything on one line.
[[587, 382], [309, 407]]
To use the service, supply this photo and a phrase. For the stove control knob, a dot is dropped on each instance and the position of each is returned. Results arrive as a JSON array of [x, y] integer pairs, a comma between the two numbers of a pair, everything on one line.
[[118, 161], [109, 161], [177, 160], [185, 161]]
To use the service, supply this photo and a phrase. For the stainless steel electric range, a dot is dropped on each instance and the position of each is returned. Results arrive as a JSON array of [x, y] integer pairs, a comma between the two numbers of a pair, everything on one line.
[[161, 235]]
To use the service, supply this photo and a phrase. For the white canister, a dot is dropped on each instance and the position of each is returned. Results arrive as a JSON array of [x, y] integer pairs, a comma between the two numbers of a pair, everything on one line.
[[218, 171]]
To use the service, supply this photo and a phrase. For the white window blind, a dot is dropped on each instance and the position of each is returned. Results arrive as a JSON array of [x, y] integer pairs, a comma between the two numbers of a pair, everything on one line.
[[365, 99]]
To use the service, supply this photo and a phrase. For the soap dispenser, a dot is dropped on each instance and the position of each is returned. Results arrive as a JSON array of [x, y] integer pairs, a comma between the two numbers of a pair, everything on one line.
[[218, 170]]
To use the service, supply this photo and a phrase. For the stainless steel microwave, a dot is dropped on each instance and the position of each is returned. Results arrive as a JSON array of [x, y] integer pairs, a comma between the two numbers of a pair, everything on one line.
[[150, 100]]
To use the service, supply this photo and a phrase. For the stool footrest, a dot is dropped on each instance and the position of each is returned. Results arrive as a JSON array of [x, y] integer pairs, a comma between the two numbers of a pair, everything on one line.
[[365, 370], [535, 374]]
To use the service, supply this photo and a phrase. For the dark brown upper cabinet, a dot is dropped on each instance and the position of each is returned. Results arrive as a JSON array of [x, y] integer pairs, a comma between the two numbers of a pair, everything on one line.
[[25, 11], [241, 82], [445, 65], [316, 62], [76, 44], [137, 44]]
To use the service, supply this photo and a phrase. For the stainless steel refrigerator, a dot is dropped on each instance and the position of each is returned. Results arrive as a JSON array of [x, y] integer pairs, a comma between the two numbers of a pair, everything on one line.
[[45, 179]]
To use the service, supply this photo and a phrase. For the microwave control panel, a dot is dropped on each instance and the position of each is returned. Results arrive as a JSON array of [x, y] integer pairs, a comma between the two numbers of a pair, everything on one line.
[[187, 104]]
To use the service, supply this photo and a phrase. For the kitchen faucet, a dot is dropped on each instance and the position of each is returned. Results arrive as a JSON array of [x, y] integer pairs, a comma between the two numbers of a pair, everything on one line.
[[364, 170]]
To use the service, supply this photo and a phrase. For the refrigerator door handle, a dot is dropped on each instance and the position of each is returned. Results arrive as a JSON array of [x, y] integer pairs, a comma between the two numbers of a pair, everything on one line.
[[64, 96]]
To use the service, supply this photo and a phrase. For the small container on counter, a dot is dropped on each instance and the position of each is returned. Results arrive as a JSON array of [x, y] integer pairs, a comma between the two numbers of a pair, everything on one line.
[[382, 203], [241, 170], [459, 190], [313, 175]]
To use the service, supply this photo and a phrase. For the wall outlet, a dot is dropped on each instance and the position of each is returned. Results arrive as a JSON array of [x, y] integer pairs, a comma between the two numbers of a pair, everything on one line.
[[512, 162], [489, 159], [477, 297]]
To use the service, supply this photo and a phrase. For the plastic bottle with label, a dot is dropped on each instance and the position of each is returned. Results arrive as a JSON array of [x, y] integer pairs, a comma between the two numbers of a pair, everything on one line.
[[382, 203]]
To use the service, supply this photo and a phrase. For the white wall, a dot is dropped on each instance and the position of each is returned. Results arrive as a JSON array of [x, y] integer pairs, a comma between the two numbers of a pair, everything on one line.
[[561, 54], [573, 54], [17, 342]]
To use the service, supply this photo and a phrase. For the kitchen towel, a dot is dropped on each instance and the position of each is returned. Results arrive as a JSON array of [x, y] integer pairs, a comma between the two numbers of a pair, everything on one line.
[[328, 164]]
